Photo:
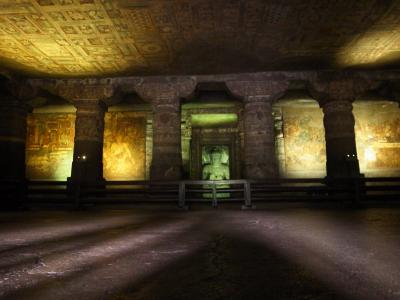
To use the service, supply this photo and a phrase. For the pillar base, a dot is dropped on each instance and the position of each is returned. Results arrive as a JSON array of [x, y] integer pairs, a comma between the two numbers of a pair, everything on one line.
[[14, 194], [87, 182], [248, 207]]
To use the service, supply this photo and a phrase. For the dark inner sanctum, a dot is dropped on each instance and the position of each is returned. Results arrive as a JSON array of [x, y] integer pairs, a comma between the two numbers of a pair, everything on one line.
[[199, 149]]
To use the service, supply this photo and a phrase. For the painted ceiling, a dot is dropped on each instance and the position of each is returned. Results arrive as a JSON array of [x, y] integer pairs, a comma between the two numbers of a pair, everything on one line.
[[67, 38]]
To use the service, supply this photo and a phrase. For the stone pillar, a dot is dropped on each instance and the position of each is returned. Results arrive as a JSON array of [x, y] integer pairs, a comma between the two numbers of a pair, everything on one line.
[[88, 97], [259, 139], [13, 115], [13, 123], [87, 162], [340, 139], [335, 94], [167, 152], [164, 95]]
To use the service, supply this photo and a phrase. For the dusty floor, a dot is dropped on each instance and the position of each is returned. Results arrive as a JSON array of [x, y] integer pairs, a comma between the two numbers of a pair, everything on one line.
[[161, 253]]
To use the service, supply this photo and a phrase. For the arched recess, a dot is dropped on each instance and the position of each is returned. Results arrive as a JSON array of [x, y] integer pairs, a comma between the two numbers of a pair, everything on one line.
[[50, 138], [377, 131], [300, 136], [127, 149]]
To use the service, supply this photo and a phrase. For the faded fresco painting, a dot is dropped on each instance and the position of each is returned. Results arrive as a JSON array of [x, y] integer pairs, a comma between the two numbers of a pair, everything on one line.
[[49, 146], [378, 138], [124, 152], [304, 139]]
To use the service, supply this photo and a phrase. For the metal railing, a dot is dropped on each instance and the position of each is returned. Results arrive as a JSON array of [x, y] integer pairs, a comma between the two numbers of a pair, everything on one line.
[[214, 190], [185, 192]]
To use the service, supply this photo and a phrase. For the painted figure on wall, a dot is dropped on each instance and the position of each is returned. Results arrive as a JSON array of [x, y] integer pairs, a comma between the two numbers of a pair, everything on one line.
[[49, 145], [124, 156], [378, 137], [304, 138]]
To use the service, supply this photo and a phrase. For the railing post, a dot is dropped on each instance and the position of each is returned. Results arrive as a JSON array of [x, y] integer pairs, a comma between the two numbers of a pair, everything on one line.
[[22, 189], [77, 188], [182, 195], [247, 196], [357, 191], [214, 194]]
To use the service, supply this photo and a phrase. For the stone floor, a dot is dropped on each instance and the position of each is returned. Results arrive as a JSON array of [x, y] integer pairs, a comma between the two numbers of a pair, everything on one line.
[[205, 253]]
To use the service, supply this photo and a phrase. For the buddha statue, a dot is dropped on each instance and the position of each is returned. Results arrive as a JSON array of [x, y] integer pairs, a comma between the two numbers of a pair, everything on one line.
[[216, 169]]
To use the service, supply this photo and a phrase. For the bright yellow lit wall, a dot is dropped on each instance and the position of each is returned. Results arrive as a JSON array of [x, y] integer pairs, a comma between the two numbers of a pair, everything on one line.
[[124, 156], [50, 144], [304, 140], [378, 137]]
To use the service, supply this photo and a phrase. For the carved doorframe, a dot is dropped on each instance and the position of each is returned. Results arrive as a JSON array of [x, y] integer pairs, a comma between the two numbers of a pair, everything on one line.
[[214, 136]]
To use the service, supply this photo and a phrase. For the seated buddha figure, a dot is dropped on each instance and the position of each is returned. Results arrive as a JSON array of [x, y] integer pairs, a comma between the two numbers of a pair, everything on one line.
[[216, 169]]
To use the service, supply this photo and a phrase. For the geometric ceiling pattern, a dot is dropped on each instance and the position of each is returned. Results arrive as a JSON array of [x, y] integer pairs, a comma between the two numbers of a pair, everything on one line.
[[70, 38]]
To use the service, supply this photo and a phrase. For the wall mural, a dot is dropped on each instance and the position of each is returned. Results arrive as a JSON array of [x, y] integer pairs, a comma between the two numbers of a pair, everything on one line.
[[378, 138], [124, 152], [50, 144], [304, 139]]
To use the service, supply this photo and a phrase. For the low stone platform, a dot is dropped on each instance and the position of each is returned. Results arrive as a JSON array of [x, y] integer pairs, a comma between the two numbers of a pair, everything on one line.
[[225, 253]]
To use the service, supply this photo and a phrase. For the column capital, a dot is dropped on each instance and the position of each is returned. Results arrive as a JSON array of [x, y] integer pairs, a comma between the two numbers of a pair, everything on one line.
[[258, 91], [339, 106], [90, 106], [89, 124], [339, 87], [83, 91], [166, 91]]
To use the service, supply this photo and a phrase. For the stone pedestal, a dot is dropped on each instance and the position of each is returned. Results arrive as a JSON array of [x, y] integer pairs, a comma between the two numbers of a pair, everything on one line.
[[341, 151], [87, 165], [167, 154], [13, 116], [259, 140]]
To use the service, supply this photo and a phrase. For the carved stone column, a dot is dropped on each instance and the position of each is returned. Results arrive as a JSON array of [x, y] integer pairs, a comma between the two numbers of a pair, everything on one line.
[[87, 165], [340, 138], [259, 140], [165, 99], [167, 152], [13, 115], [335, 95]]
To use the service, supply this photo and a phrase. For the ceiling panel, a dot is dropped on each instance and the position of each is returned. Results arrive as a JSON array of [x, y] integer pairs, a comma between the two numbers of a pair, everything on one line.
[[69, 38]]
